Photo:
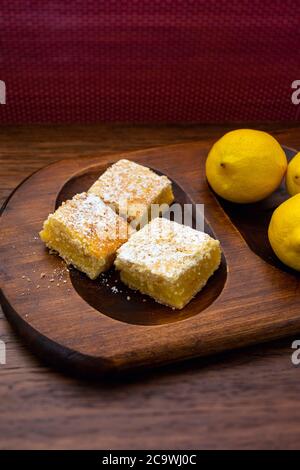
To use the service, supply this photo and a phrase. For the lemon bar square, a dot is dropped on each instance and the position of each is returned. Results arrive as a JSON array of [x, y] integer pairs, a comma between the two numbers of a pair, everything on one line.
[[168, 261], [86, 233], [131, 189]]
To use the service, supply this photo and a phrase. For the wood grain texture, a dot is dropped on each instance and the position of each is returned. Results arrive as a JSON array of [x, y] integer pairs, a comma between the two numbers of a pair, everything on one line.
[[248, 399], [256, 301]]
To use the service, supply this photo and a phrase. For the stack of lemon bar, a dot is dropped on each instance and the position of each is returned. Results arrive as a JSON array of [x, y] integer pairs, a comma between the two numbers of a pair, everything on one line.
[[166, 260]]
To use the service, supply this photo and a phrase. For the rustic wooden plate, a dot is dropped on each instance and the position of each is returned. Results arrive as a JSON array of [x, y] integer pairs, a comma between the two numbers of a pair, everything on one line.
[[87, 327]]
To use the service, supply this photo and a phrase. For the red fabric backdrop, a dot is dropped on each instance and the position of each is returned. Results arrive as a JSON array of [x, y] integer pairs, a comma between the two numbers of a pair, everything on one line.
[[149, 60]]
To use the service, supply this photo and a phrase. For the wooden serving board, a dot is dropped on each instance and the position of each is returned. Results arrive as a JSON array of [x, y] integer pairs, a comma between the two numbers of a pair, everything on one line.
[[86, 327]]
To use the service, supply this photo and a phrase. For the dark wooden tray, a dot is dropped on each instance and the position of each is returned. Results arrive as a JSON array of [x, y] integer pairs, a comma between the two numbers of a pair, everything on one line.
[[84, 326]]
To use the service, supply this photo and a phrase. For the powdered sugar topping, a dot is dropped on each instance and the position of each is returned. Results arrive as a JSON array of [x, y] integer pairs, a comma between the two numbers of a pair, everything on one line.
[[128, 181], [166, 248], [90, 217]]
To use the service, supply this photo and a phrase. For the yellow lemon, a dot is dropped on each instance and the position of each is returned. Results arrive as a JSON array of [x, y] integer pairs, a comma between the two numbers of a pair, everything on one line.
[[293, 176], [245, 165], [284, 232]]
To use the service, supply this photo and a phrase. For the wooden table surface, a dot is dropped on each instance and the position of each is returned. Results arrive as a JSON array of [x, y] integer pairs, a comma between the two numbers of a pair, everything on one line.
[[242, 399]]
